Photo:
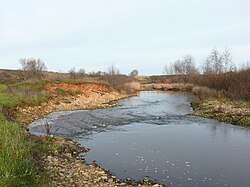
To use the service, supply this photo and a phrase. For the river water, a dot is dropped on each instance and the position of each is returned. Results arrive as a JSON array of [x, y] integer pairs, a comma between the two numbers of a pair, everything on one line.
[[154, 135]]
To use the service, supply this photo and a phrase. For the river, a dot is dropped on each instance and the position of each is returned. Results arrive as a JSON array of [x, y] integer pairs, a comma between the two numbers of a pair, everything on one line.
[[154, 135]]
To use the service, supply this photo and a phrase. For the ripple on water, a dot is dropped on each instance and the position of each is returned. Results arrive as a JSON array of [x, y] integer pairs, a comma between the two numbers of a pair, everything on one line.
[[153, 135]]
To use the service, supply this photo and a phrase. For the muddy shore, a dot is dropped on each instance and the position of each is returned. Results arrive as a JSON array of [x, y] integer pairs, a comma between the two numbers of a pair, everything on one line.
[[62, 163]]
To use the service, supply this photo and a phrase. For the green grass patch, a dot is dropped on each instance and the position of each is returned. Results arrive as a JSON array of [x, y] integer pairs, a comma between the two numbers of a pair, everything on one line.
[[35, 85], [3, 87], [206, 109], [61, 92], [29, 93], [7, 100], [17, 166]]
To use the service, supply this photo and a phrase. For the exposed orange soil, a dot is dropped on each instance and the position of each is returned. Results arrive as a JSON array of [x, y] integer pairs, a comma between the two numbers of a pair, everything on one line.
[[88, 96]]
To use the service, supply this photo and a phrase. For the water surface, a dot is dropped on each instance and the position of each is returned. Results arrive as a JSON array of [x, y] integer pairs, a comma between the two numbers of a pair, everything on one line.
[[154, 135]]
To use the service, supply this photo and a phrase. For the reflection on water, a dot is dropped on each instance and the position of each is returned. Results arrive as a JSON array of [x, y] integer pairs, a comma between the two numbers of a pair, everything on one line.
[[153, 135]]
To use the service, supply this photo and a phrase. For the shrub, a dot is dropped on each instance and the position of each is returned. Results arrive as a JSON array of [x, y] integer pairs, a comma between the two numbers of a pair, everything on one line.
[[231, 84], [134, 73]]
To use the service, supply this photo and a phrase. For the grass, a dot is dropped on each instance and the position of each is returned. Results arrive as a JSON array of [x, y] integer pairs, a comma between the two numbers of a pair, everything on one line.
[[226, 110], [21, 94], [17, 164], [29, 93], [122, 83], [7, 100], [63, 93]]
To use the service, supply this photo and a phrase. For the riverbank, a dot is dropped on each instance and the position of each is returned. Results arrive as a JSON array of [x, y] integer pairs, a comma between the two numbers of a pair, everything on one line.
[[209, 103], [71, 96], [234, 112], [25, 159], [64, 167], [59, 157]]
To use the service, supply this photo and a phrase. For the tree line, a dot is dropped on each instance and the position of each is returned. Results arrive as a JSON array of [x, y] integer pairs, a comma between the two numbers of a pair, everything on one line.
[[37, 65], [216, 62]]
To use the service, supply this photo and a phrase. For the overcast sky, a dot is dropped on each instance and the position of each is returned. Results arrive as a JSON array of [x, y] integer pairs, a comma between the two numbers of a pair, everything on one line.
[[131, 34]]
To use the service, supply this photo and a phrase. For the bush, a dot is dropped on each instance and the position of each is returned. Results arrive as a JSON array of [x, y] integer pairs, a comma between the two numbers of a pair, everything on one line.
[[134, 73], [234, 85]]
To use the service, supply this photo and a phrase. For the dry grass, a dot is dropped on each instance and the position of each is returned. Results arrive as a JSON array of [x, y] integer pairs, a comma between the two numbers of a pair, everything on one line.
[[122, 83], [132, 87], [204, 92]]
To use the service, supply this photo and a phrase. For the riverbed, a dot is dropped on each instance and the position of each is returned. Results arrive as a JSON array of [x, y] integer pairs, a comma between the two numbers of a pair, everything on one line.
[[154, 135]]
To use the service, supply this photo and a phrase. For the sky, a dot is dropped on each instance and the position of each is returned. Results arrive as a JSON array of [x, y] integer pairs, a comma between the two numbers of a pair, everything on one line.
[[130, 34]]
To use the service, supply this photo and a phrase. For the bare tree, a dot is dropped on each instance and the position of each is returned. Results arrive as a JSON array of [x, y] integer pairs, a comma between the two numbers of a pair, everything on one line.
[[72, 73], [217, 62], [245, 66], [81, 71], [133, 73], [178, 67], [112, 70], [188, 65], [32, 64], [207, 67], [227, 59], [184, 66], [169, 69]]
